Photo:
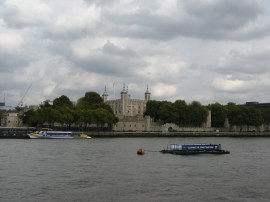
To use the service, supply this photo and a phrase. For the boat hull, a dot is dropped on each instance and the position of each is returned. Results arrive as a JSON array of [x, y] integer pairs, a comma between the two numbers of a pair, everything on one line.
[[46, 137], [70, 137], [57, 135], [184, 152]]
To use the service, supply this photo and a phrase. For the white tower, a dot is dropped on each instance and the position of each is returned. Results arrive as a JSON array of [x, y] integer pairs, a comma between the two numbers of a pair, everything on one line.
[[105, 95], [147, 94], [124, 100]]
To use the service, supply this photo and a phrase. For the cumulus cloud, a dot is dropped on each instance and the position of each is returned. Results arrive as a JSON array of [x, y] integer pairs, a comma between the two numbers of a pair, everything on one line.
[[162, 89], [202, 50], [250, 60], [113, 49], [31, 13], [204, 19]]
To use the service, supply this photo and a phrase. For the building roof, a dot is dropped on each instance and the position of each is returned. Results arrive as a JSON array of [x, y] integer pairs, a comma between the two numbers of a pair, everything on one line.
[[258, 105]]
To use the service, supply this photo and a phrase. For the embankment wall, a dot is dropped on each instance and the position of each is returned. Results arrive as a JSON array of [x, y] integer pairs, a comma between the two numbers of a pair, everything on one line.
[[22, 135]]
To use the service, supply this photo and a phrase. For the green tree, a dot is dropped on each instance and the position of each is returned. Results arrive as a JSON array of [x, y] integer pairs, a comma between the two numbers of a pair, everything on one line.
[[180, 108], [90, 100], [62, 101], [218, 114], [65, 116], [47, 115], [235, 114], [242, 115], [153, 109], [252, 117], [89, 109], [1, 116], [31, 118], [88, 116], [197, 114], [94, 111], [167, 112], [266, 117], [79, 117], [101, 117]]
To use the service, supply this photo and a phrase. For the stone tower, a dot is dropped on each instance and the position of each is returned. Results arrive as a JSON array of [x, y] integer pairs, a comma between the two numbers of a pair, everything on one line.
[[147, 94], [105, 95], [124, 100]]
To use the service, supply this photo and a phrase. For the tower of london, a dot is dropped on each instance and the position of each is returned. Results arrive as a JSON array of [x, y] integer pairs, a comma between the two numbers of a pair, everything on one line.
[[126, 106], [129, 111]]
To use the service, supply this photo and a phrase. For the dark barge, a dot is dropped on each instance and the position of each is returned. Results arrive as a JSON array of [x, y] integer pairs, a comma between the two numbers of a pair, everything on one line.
[[188, 149]]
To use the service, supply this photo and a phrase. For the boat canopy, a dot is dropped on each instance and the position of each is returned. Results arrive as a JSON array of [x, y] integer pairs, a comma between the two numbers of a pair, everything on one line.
[[200, 146]]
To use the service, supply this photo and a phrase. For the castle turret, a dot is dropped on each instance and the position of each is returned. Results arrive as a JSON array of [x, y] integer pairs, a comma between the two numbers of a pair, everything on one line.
[[105, 95], [124, 100], [147, 94]]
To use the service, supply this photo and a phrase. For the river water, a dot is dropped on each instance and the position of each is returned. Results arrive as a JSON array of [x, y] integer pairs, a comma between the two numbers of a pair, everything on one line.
[[108, 169]]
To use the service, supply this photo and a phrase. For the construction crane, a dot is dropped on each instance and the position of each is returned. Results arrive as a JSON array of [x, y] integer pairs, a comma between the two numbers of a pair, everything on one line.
[[20, 104]]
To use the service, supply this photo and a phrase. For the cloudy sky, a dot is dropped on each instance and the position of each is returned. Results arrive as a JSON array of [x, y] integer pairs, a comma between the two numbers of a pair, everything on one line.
[[204, 50]]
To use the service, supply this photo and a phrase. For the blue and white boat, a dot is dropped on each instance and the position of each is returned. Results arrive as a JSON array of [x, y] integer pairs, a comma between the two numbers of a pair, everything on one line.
[[202, 148], [51, 134]]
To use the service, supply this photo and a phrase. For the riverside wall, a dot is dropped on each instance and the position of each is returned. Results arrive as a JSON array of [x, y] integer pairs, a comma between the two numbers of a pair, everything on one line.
[[178, 134], [15, 132], [16, 135], [23, 135]]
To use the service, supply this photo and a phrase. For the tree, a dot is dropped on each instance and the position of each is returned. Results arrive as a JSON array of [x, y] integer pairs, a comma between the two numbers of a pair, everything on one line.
[[31, 118], [197, 114], [167, 112], [47, 115], [252, 117], [178, 112], [218, 114], [88, 116], [1, 116], [180, 108], [89, 109], [90, 100], [78, 117], [153, 109], [65, 116], [266, 117], [235, 115], [94, 110], [62, 101], [101, 117], [242, 115]]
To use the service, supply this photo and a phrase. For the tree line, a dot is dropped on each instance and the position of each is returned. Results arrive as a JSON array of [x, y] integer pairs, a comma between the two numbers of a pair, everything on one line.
[[239, 115], [195, 114], [88, 110], [91, 109], [179, 112]]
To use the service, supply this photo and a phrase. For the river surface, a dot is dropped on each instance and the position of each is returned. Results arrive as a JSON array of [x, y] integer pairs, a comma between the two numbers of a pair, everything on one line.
[[109, 169]]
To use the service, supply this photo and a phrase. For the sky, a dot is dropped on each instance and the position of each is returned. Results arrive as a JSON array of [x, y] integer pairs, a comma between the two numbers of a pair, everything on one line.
[[194, 50]]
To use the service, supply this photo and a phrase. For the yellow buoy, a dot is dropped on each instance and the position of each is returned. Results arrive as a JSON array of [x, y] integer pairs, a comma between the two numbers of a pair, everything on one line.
[[141, 152]]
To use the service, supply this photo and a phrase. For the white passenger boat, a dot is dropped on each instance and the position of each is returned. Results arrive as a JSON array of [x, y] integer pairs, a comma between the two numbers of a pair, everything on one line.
[[51, 134]]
